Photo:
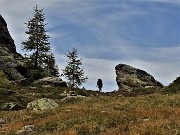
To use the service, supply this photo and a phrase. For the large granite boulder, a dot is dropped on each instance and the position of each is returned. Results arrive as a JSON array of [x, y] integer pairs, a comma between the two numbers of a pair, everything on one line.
[[10, 61], [129, 78], [42, 104]]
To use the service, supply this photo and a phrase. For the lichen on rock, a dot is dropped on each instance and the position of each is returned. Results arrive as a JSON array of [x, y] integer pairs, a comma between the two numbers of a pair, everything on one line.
[[42, 104]]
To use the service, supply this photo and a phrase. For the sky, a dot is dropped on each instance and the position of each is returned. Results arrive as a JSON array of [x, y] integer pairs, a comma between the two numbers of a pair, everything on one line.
[[141, 33]]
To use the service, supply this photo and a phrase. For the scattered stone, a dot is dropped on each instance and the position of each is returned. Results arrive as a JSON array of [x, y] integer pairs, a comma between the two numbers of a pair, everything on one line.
[[11, 106], [129, 78], [69, 94], [69, 97], [42, 104], [104, 112], [146, 119], [149, 87], [3, 126], [26, 130], [2, 121], [33, 88], [68, 110]]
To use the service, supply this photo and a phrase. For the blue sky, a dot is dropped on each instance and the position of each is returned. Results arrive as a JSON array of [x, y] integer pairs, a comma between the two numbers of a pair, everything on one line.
[[142, 33]]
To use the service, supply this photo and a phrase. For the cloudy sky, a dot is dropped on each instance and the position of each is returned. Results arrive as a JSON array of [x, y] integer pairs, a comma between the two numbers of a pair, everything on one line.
[[142, 33]]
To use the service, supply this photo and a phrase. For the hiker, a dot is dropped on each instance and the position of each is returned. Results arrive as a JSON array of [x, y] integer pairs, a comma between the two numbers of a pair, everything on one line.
[[100, 84]]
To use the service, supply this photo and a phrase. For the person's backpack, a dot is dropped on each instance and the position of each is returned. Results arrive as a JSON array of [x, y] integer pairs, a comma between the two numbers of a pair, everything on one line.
[[99, 83]]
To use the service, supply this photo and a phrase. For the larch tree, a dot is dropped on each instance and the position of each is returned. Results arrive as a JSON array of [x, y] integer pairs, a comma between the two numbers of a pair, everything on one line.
[[38, 43], [51, 66], [73, 72]]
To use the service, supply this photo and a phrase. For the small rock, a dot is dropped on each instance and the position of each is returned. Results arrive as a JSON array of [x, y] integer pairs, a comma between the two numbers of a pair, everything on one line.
[[69, 97], [26, 130], [2, 126], [68, 110], [146, 119], [104, 112], [2, 121], [11, 106], [33, 88]]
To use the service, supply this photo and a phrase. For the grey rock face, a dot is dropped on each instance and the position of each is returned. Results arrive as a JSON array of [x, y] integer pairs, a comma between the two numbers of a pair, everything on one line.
[[5, 38], [128, 78], [9, 58]]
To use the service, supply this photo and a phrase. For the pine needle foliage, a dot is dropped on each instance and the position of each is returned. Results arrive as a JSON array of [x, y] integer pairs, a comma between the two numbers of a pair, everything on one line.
[[73, 71], [38, 43], [51, 66]]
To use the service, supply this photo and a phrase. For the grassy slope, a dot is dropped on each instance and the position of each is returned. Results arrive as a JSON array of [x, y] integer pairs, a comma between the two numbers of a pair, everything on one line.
[[144, 115], [152, 114]]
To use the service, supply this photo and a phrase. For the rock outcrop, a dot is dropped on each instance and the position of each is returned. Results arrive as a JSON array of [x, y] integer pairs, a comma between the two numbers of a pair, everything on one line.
[[5, 38], [128, 78], [9, 58]]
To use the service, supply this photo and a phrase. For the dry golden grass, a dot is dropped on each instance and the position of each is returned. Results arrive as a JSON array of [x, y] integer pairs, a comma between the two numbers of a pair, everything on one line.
[[153, 114]]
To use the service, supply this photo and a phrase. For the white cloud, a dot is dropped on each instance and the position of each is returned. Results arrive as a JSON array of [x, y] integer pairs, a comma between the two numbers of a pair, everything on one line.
[[167, 53], [104, 22], [17, 13], [163, 1], [95, 69], [165, 72], [103, 69]]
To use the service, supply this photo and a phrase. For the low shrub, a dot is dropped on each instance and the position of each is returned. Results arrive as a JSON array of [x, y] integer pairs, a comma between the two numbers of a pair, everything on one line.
[[35, 75], [174, 87], [144, 91], [50, 127], [71, 100], [4, 82]]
